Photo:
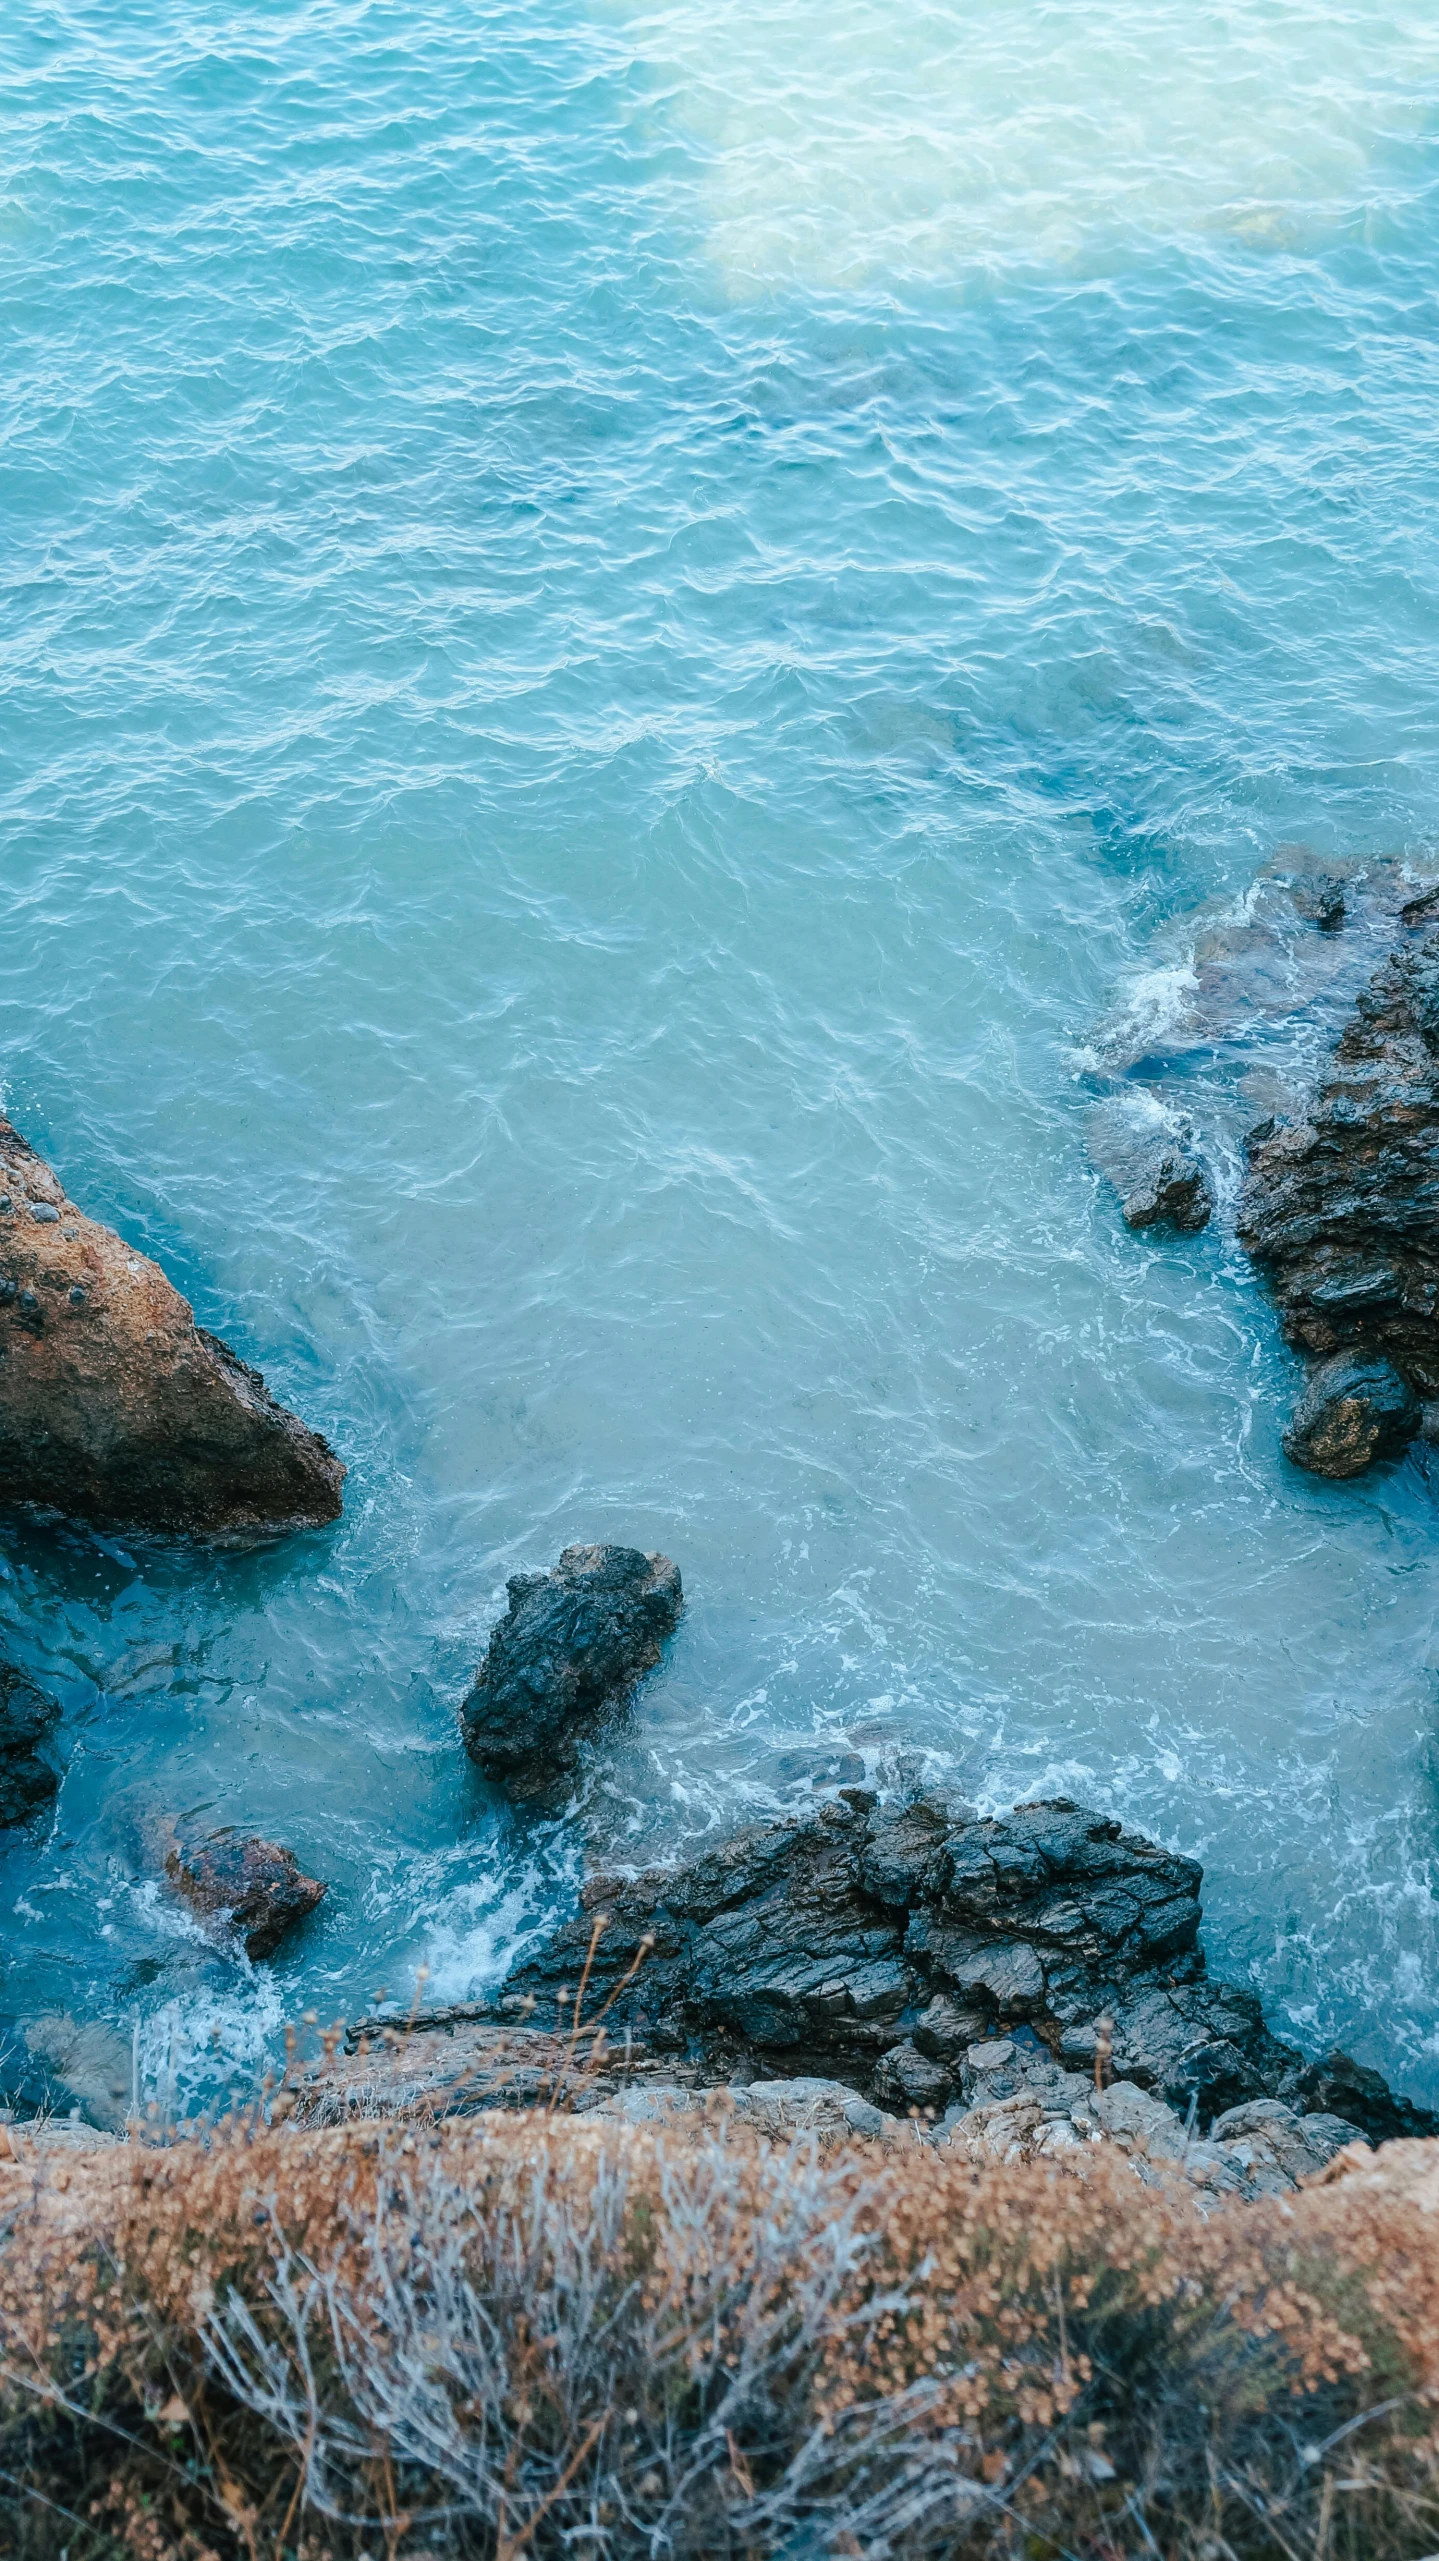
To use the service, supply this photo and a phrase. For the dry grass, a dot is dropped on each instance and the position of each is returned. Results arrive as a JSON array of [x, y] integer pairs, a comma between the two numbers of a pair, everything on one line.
[[535, 2336]]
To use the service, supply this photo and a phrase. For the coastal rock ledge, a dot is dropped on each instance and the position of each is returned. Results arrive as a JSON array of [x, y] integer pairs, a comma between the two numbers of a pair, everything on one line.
[[115, 1406], [928, 1962], [876, 1944]]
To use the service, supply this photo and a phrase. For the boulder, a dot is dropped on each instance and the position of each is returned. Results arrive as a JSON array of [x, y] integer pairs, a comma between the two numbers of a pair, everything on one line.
[[1352, 1413], [115, 1407], [864, 1943], [251, 1891], [29, 1769], [567, 1652], [1340, 1210]]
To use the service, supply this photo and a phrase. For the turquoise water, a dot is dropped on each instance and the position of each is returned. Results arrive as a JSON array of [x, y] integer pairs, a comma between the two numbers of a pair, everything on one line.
[[621, 625]]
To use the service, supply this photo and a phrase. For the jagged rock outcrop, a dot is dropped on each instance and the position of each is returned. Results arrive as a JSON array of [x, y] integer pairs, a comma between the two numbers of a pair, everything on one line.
[[115, 1407], [251, 1891], [1340, 1209], [874, 1941], [1015, 2103], [569, 1649], [29, 1767]]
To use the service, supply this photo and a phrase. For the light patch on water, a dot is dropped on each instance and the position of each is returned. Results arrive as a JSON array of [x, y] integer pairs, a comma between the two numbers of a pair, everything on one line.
[[212, 2045], [847, 141]]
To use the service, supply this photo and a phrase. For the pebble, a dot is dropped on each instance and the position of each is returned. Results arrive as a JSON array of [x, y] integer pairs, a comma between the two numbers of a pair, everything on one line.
[[43, 1214], [77, 1296]]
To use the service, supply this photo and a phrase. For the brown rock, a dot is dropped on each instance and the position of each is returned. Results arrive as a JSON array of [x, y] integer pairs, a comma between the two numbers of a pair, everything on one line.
[[115, 1406], [1340, 1209], [252, 1888]]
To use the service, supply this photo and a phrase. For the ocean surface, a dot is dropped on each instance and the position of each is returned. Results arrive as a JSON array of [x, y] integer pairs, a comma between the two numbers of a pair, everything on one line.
[[622, 626]]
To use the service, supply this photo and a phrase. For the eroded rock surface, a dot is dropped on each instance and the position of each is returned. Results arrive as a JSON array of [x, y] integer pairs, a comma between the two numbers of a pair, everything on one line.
[[251, 1891], [1340, 1208], [567, 1652], [876, 1945], [29, 1767], [115, 1407]]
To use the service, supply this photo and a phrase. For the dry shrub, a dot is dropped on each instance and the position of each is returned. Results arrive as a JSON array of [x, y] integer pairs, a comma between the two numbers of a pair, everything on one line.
[[540, 2336]]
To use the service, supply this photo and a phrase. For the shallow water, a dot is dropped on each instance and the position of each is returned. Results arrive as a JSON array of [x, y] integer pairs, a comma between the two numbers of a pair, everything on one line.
[[623, 626]]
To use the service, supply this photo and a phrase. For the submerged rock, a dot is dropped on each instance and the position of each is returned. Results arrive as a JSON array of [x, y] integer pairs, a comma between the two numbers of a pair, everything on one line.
[[570, 1647], [115, 1406], [1340, 1208], [29, 1769], [1352, 1412], [877, 1944], [252, 1890], [1149, 1158]]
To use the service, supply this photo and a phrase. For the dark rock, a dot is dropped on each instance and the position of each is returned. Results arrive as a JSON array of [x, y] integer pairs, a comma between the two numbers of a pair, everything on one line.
[[1352, 1413], [1148, 1158], [822, 1946], [1321, 901], [116, 1407], [1340, 2087], [253, 1890], [29, 1770], [569, 1649], [908, 2081], [1340, 1208]]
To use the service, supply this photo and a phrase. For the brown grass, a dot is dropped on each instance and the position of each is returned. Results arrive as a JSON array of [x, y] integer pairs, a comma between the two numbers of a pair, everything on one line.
[[536, 2336]]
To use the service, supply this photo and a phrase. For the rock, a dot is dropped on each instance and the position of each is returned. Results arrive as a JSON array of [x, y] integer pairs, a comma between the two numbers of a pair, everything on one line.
[[569, 1649], [1340, 2087], [776, 2111], [1352, 1413], [1340, 1208], [1024, 2109], [1148, 1156], [911, 2082], [115, 1407], [825, 1944], [1320, 900], [29, 1770], [252, 1889], [1277, 2138], [92, 2067]]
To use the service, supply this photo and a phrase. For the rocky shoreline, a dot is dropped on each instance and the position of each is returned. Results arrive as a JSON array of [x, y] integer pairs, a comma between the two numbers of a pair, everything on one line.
[[890, 1961]]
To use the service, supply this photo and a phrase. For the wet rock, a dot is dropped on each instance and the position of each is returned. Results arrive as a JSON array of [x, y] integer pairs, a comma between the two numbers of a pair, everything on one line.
[[115, 1407], [1320, 899], [1149, 1158], [1340, 1207], [1352, 1413], [822, 1946], [252, 1891], [29, 1766], [569, 1649]]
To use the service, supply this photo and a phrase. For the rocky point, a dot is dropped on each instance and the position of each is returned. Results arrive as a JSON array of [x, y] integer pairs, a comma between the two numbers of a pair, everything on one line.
[[115, 1406]]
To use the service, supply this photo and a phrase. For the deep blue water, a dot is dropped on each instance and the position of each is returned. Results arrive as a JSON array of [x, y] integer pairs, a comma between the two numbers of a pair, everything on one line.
[[620, 627]]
